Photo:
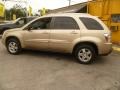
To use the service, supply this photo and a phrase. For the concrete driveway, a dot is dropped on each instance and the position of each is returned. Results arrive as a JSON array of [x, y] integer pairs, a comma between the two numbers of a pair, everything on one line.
[[35, 70]]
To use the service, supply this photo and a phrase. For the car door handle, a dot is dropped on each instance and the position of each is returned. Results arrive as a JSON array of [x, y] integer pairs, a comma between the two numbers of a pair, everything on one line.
[[73, 32], [45, 33]]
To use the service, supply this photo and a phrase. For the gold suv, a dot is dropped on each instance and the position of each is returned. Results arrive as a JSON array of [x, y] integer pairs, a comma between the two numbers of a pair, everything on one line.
[[83, 35]]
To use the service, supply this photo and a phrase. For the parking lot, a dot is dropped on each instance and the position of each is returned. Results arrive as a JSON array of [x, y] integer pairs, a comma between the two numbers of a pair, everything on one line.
[[36, 70]]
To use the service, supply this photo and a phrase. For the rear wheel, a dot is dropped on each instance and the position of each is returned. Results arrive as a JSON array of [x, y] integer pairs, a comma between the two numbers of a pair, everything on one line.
[[85, 54], [13, 46]]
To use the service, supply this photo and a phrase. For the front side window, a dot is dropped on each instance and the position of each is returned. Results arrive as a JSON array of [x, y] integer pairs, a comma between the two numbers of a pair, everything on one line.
[[43, 23], [65, 23], [91, 24]]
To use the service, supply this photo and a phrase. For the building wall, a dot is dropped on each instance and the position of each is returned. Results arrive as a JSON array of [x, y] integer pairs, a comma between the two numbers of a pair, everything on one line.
[[109, 12]]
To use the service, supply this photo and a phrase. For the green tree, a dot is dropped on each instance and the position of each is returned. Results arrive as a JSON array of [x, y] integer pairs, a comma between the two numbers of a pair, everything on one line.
[[17, 10]]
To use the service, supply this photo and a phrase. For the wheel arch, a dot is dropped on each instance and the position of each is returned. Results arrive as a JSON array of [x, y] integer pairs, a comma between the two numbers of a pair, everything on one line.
[[86, 43], [9, 37]]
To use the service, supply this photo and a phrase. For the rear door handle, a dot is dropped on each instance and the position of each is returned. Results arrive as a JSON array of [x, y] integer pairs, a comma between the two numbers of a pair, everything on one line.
[[73, 32]]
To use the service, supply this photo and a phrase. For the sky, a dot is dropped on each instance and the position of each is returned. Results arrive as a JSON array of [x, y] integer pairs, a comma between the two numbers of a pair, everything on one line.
[[48, 4]]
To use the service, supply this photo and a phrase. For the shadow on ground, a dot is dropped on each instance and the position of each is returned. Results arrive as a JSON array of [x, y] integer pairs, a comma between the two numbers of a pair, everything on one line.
[[59, 56]]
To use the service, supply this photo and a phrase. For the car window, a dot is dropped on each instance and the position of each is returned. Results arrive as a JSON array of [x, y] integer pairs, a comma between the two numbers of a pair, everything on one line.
[[65, 23], [43, 23], [91, 24], [21, 21]]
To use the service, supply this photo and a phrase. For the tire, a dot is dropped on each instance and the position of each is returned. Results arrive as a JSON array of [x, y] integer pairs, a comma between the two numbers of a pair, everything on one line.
[[85, 54], [13, 46]]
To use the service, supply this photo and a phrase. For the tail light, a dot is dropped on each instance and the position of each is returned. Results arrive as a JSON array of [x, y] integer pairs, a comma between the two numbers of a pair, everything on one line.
[[107, 37]]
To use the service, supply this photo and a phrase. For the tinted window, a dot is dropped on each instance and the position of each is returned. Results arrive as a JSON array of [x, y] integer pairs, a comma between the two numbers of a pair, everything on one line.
[[65, 23], [91, 24], [43, 23]]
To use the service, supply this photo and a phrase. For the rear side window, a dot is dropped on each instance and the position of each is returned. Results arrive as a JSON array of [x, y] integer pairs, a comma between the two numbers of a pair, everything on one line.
[[65, 23], [91, 24]]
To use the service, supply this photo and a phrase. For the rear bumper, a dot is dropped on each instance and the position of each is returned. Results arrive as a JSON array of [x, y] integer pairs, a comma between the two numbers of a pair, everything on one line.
[[105, 54], [105, 49]]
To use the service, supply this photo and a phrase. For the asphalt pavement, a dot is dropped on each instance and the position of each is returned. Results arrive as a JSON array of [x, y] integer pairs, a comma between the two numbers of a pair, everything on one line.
[[37, 70]]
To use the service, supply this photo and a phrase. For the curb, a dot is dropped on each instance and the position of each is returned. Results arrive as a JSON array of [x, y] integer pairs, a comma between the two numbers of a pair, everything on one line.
[[116, 48]]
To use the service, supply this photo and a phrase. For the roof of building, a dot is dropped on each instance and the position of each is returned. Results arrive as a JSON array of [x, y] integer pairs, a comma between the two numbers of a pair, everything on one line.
[[71, 8]]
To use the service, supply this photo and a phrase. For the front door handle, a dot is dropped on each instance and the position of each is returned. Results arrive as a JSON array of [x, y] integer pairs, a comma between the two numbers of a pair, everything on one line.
[[45, 33]]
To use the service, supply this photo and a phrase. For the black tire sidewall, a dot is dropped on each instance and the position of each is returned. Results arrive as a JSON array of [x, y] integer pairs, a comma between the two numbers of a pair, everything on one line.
[[87, 47], [18, 45]]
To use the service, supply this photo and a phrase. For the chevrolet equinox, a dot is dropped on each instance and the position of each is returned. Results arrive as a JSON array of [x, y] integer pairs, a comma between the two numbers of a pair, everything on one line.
[[82, 35]]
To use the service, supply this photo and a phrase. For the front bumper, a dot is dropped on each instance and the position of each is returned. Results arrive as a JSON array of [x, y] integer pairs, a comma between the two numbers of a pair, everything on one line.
[[3, 39]]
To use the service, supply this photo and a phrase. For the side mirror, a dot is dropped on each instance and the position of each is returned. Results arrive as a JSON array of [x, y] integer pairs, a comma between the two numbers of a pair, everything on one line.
[[17, 23], [29, 28]]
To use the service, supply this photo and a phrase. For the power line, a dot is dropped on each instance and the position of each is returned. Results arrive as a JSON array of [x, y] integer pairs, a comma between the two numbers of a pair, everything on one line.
[[70, 1], [19, 1]]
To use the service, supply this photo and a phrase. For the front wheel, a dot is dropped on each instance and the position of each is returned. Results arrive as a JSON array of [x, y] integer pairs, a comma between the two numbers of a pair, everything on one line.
[[85, 54], [13, 46]]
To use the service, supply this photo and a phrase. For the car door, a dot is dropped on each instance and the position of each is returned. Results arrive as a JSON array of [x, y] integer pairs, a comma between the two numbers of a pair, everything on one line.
[[38, 33], [64, 31]]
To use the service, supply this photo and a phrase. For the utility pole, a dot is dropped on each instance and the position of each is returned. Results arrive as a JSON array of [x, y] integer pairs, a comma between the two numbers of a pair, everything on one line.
[[69, 2]]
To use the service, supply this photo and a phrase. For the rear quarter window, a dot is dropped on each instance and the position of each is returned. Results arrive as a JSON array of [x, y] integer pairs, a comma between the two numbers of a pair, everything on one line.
[[91, 24]]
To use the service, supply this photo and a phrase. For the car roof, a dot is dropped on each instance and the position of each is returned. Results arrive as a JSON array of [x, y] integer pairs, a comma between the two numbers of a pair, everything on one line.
[[66, 14], [63, 14], [69, 14]]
